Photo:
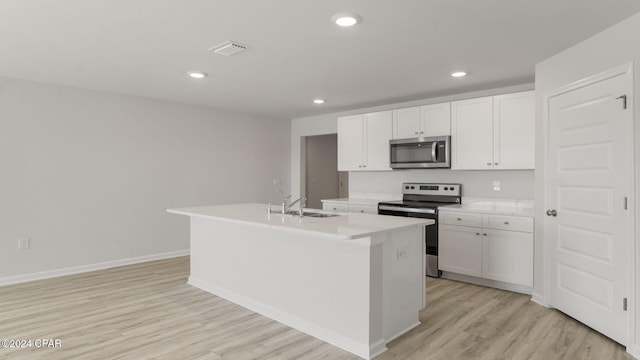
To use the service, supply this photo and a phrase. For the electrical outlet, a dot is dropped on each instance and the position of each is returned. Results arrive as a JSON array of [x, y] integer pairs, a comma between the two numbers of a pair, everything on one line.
[[24, 244], [496, 186]]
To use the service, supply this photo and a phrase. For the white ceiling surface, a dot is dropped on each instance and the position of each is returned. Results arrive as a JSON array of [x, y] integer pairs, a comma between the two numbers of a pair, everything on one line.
[[403, 50]]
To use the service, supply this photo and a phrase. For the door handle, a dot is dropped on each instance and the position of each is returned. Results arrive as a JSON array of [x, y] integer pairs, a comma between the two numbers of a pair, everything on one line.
[[552, 212]]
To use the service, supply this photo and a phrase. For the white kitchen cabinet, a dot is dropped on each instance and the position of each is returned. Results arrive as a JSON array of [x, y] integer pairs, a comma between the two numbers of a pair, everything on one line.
[[406, 123], [350, 142], [459, 249], [472, 134], [363, 141], [363, 209], [335, 207], [488, 246], [377, 135], [495, 132], [422, 121], [435, 120], [341, 206], [507, 256], [514, 130]]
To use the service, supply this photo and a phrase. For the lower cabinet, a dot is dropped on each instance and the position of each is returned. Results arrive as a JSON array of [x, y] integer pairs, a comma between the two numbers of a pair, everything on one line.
[[487, 251], [345, 207], [459, 250], [507, 256]]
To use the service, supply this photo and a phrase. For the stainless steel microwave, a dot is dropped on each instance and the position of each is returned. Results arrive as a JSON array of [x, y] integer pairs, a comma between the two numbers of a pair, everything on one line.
[[420, 153]]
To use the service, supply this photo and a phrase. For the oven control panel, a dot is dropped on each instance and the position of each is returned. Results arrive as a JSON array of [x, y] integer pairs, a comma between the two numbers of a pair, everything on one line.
[[431, 189]]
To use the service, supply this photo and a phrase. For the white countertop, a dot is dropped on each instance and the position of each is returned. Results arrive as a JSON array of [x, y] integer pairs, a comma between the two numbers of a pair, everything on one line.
[[346, 226], [493, 206]]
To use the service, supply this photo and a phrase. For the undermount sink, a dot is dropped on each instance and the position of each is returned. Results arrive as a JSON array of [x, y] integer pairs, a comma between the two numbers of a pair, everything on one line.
[[313, 214]]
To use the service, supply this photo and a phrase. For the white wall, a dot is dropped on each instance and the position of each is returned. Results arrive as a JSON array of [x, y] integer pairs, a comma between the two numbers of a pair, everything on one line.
[[327, 124], [613, 47], [476, 184], [87, 175]]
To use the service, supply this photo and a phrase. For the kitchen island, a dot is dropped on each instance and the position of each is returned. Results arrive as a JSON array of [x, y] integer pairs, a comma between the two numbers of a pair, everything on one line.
[[354, 280]]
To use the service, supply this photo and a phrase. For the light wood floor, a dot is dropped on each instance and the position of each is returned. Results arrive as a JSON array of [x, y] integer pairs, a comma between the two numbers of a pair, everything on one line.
[[147, 311]]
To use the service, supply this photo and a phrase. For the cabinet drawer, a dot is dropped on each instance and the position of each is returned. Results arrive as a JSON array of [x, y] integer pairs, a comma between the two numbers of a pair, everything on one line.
[[464, 219], [363, 209], [335, 207], [513, 223]]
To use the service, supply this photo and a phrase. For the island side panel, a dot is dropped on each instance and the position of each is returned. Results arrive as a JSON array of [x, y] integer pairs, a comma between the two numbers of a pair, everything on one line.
[[313, 283], [403, 280]]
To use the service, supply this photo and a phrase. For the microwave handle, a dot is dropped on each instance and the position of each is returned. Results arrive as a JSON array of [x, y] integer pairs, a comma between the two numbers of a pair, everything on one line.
[[434, 149]]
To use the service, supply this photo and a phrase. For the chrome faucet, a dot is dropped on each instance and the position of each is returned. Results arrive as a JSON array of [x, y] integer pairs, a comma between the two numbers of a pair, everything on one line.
[[301, 200], [285, 207]]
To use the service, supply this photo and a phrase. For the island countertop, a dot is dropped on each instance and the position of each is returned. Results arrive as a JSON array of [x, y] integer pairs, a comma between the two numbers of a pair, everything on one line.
[[346, 226]]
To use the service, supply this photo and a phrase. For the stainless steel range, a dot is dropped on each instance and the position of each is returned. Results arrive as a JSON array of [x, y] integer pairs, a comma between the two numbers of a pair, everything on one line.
[[422, 200]]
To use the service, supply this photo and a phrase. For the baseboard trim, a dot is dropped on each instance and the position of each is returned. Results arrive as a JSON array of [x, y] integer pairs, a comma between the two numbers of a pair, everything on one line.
[[402, 332], [486, 282], [538, 299], [634, 351], [16, 279], [366, 351]]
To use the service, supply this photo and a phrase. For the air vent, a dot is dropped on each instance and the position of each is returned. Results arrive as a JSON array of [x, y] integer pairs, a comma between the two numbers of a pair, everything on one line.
[[229, 48]]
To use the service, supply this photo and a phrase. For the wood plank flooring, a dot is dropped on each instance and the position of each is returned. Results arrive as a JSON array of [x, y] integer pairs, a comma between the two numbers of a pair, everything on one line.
[[147, 311]]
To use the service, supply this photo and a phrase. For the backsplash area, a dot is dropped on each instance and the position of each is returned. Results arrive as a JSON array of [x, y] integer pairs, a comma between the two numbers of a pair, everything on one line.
[[514, 184]]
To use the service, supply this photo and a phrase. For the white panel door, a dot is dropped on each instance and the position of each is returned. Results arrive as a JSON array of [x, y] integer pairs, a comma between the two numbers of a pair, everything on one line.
[[406, 123], [350, 143], [588, 177], [435, 120], [460, 249], [472, 134], [513, 131], [377, 135]]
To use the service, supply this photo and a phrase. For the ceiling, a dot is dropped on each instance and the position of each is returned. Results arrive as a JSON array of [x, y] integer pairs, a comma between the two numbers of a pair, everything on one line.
[[403, 50]]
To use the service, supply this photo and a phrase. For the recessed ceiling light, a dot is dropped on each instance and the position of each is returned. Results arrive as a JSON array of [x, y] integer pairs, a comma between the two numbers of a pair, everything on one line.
[[458, 74], [318, 101], [197, 74], [346, 19]]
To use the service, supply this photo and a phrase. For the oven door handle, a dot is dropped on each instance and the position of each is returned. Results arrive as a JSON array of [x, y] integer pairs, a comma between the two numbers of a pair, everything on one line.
[[407, 209]]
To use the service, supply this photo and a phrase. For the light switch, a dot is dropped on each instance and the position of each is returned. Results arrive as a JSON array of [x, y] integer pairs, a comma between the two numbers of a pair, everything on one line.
[[276, 182]]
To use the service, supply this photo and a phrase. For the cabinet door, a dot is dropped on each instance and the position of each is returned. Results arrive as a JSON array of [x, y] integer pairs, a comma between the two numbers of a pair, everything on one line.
[[510, 223], [363, 209], [377, 135], [460, 219], [335, 207], [472, 134], [513, 130], [508, 256], [435, 120], [350, 143], [406, 123], [460, 249]]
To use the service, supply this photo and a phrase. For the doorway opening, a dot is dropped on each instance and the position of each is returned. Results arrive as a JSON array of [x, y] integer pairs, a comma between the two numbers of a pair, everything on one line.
[[320, 178]]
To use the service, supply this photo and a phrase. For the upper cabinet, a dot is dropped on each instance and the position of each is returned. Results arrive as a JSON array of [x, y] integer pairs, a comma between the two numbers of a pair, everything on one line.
[[488, 133], [422, 121], [514, 131], [363, 141], [495, 132], [472, 134]]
